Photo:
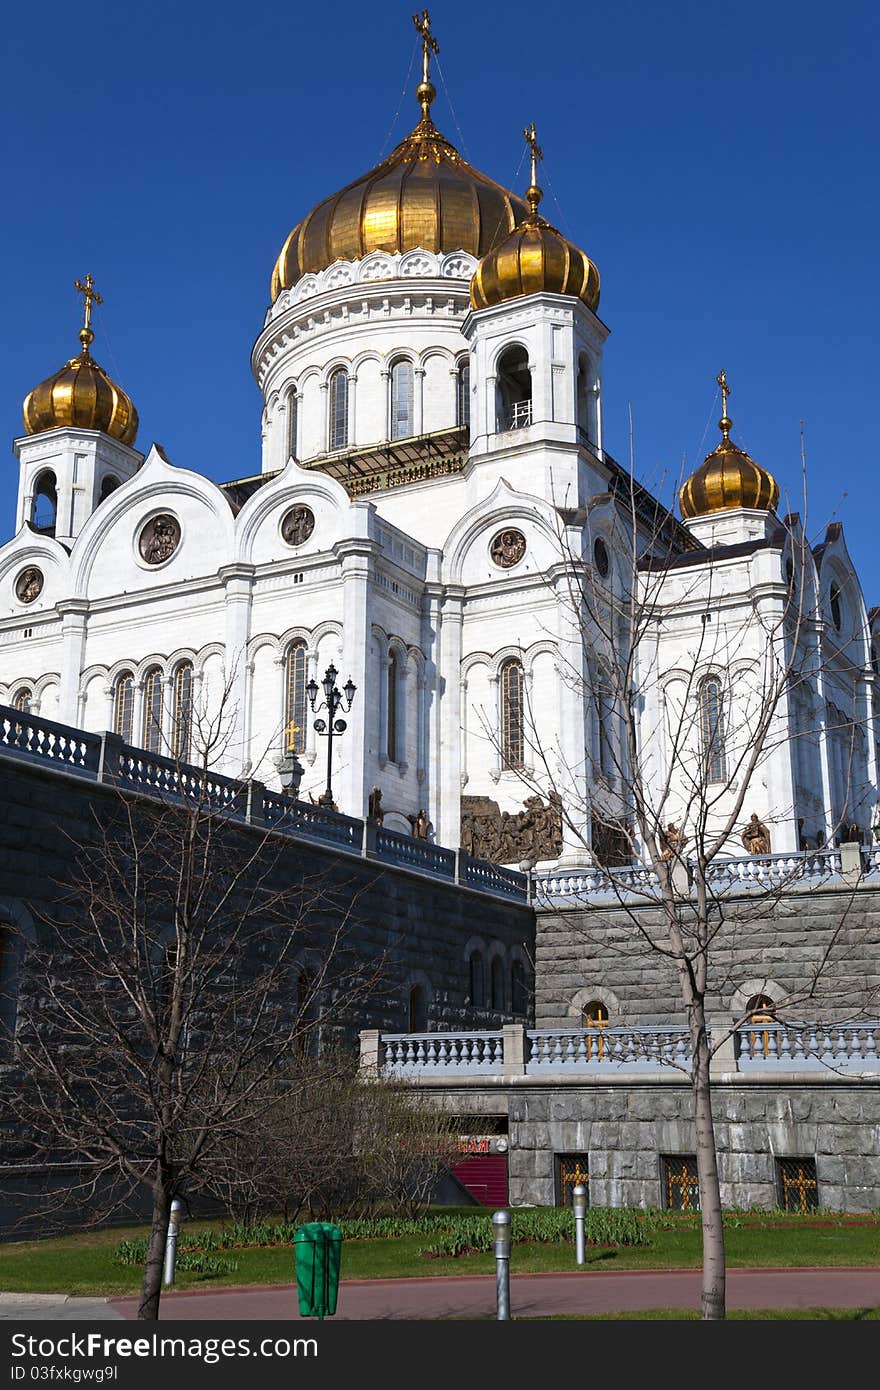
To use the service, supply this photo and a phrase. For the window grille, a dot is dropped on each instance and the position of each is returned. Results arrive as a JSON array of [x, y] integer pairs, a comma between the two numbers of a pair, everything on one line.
[[760, 1010], [798, 1184], [123, 706], [152, 734], [22, 699], [712, 730], [338, 409], [183, 710], [595, 1017], [463, 415], [681, 1186], [402, 426], [295, 712], [571, 1169], [292, 419], [512, 723]]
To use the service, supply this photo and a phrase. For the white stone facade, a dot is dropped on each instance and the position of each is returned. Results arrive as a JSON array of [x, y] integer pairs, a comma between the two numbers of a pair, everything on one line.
[[401, 582]]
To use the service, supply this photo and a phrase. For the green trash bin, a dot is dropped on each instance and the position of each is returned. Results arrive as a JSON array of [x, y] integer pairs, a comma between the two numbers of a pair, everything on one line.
[[318, 1250]]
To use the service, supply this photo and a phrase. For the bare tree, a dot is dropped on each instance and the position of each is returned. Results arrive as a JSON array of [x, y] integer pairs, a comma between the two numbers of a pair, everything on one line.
[[187, 959], [686, 688]]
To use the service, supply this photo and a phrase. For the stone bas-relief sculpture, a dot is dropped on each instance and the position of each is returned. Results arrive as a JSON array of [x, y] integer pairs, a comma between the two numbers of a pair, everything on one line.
[[508, 548], [29, 585], [159, 539], [535, 833], [756, 836], [297, 525]]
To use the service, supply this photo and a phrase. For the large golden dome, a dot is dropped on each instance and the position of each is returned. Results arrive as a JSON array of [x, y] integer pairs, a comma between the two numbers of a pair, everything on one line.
[[728, 477], [534, 258], [81, 394], [423, 195]]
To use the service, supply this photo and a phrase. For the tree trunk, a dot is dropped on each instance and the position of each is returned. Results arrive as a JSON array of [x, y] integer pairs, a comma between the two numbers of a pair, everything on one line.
[[151, 1285], [712, 1294]]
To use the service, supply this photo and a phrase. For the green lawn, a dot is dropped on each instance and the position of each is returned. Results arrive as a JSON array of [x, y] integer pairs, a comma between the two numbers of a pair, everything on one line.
[[84, 1264]]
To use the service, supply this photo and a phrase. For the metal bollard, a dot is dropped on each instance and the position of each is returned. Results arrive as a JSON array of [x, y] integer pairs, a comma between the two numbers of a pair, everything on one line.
[[171, 1242], [501, 1225], [579, 1202]]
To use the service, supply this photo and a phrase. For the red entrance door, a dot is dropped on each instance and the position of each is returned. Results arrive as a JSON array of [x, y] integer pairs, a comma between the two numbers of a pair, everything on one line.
[[485, 1177]]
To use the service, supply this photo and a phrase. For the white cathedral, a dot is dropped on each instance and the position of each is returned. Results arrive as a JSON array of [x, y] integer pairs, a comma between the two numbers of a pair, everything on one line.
[[433, 471]]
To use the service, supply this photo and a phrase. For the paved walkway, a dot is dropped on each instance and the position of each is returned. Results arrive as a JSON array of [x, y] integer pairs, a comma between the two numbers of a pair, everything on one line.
[[56, 1307], [532, 1295]]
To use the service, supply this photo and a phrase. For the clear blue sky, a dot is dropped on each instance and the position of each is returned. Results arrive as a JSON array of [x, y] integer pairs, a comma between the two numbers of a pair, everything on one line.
[[718, 162]]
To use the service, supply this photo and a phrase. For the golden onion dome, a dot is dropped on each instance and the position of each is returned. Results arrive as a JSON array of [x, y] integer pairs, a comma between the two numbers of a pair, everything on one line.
[[81, 394], [728, 477], [424, 195], [534, 258]]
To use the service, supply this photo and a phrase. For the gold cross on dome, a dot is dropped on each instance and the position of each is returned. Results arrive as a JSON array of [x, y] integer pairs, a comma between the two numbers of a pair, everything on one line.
[[531, 139], [429, 43], [721, 378], [90, 295]]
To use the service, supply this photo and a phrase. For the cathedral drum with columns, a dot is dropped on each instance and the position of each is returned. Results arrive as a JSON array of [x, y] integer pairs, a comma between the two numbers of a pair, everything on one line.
[[433, 466]]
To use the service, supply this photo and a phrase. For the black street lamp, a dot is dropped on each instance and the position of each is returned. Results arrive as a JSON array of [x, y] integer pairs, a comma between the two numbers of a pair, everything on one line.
[[327, 728]]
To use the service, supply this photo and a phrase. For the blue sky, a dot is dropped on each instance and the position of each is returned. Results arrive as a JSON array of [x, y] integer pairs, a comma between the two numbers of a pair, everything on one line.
[[718, 163]]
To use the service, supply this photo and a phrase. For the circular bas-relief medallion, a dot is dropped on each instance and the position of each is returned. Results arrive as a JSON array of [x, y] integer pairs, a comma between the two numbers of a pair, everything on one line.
[[29, 584], [508, 548], [297, 525], [159, 539]]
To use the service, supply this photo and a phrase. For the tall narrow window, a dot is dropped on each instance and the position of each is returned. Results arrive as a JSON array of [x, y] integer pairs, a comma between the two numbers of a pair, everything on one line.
[[712, 730], [45, 508], [123, 706], [391, 705], [463, 413], [10, 946], [595, 1016], [152, 736], [295, 699], [109, 484], [402, 416], [512, 724], [497, 979], [22, 698], [513, 390], [183, 710], [519, 993], [417, 1010], [476, 981], [292, 421], [339, 409], [603, 721]]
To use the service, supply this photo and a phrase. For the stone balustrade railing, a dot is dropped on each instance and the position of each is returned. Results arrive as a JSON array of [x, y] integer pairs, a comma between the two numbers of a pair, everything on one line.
[[849, 1047], [107, 759], [515, 1050]]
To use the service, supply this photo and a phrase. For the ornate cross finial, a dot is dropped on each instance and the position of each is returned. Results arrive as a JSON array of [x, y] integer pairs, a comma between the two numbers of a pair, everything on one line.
[[725, 422], [533, 192], [90, 295], [429, 43]]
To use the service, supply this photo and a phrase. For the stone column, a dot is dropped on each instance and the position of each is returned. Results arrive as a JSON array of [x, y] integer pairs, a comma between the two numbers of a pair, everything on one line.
[[447, 826], [357, 557], [418, 400], [430, 644], [238, 581], [74, 619], [571, 752]]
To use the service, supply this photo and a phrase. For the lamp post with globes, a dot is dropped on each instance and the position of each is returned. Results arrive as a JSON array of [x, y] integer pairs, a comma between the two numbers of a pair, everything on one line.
[[331, 726]]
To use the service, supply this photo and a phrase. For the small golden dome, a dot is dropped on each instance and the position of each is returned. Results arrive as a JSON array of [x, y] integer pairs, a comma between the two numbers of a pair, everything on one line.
[[728, 477], [534, 258], [424, 195], [81, 394]]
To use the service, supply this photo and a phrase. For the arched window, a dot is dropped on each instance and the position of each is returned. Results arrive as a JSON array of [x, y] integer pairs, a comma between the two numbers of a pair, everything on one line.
[[44, 515], [463, 394], [514, 390], [512, 721], [108, 484], [604, 709], [295, 711], [22, 699], [123, 706], [584, 398], [292, 424], [760, 1009], [595, 1018], [402, 416], [10, 950], [183, 710], [497, 978], [519, 991], [476, 980], [417, 1011], [152, 731], [338, 409], [712, 730], [391, 708], [834, 605]]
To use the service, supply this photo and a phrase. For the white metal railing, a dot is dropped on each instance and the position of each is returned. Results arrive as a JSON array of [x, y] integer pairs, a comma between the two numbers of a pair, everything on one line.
[[516, 416], [606, 1049], [808, 1046], [470, 1053]]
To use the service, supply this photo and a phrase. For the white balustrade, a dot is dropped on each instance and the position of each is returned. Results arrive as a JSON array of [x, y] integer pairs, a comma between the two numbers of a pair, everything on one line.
[[471, 1054], [607, 1049], [851, 1047]]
